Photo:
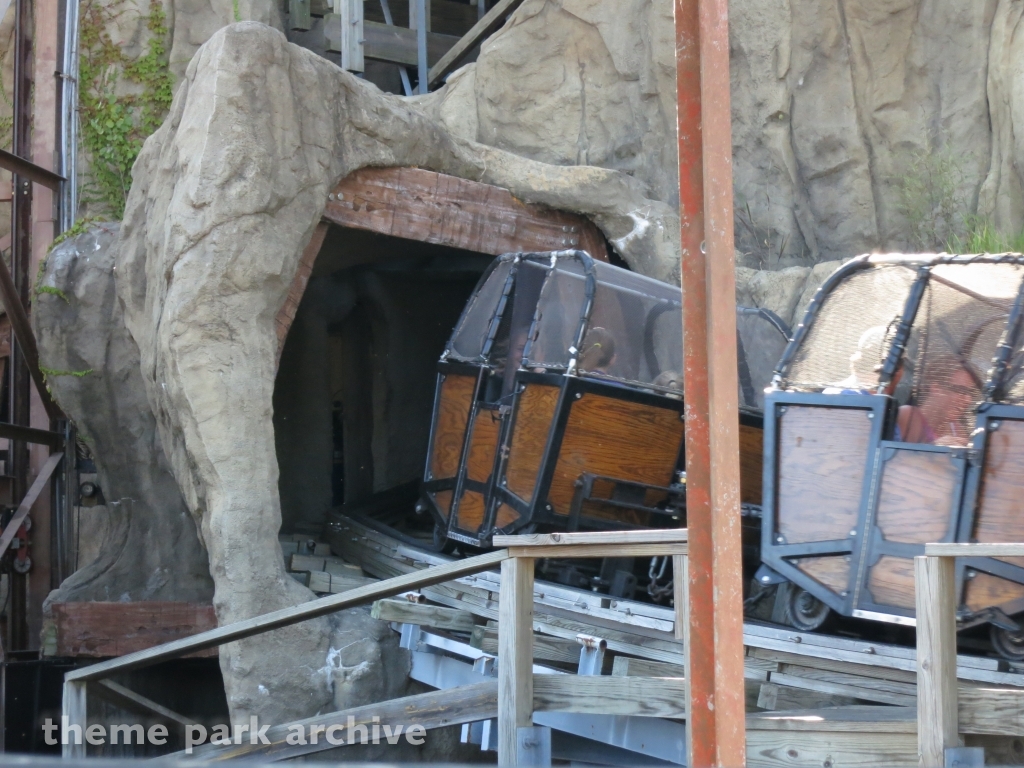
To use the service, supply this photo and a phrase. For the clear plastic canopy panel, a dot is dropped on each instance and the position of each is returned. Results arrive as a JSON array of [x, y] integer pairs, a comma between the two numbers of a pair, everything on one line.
[[760, 344], [468, 341]]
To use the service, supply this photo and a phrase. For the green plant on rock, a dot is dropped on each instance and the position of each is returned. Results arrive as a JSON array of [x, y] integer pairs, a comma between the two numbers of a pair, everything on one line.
[[76, 229], [981, 236], [932, 199], [122, 100], [52, 373]]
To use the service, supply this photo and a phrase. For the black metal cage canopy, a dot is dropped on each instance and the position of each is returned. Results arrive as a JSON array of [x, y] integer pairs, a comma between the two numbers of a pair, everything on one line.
[[559, 400], [561, 298], [896, 418]]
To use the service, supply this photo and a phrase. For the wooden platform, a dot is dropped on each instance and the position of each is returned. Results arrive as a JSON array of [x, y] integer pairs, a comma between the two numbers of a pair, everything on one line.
[[792, 677]]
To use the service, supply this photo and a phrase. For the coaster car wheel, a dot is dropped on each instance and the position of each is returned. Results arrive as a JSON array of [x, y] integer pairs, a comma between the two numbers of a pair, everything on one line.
[[1007, 643], [804, 611]]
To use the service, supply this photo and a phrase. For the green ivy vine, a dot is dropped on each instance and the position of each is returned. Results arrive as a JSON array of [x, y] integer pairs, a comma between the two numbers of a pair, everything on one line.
[[115, 117]]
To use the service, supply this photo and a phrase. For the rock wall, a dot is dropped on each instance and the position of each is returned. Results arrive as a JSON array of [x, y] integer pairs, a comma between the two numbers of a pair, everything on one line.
[[858, 125], [149, 548]]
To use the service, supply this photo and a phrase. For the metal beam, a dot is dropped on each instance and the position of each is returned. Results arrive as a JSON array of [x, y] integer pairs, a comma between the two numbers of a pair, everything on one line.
[[716, 119], [26, 339], [30, 498], [29, 170], [716, 706], [54, 440]]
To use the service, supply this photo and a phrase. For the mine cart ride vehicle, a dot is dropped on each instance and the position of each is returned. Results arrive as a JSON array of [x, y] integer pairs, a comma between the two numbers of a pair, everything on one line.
[[559, 402], [895, 419]]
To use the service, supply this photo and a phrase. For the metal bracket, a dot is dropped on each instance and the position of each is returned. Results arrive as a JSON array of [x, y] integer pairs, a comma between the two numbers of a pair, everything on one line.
[[533, 746]]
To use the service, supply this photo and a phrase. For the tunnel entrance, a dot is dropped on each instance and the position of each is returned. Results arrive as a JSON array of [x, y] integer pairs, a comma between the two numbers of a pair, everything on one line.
[[380, 288], [355, 384]]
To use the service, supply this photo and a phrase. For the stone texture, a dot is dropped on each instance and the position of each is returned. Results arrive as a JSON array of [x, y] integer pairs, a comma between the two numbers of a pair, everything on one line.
[[786, 292], [832, 100], [149, 549], [193, 22]]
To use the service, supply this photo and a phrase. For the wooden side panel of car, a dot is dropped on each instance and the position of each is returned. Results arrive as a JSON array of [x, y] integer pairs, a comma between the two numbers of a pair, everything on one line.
[[470, 514], [891, 581], [454, 404], [751, 463], [506, 516], [621, 439], [483, 444], [534, 415], [916, 497], [985, 590], [1000, 513], [833, 572], [822, 457]]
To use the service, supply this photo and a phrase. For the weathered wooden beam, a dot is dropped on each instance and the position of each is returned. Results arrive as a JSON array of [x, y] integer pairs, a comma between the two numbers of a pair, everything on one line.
[[397, 45], [776, 749], [844, 685], [326, 563], [434, 616], [293, 615], [436, 709], [490, 22], [599, 550], [937, 724], [974, 550], [128, 699], [660, 536], [993, 711], [604, 695], [429, 207], [545, 648], [515, 649], [624, 666], [336, 583], [75, 709], [105, 629]]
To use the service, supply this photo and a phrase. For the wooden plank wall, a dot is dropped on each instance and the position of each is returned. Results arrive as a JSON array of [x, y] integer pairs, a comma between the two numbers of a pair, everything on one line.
[[114, 629], [434, 208]]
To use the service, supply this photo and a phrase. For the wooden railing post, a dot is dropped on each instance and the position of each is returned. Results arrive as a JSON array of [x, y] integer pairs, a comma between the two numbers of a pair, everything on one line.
[[515, 655], [937, 725], [73, 723]]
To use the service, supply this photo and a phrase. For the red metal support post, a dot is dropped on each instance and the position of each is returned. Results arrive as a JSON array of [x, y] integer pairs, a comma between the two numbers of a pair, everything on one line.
[[716, 723]]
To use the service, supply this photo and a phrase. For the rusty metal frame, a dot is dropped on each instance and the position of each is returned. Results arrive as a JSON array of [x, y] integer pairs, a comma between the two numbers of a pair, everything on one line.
[[716, 723]]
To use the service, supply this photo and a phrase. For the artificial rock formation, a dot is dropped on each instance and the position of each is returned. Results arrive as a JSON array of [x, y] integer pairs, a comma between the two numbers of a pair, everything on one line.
[[148, 548], [225, 195]]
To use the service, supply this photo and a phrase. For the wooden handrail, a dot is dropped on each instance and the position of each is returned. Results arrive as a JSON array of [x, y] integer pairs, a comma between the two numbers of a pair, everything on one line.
[[516, 700], [974, 550], [935, 584], [515, 626], [287, 616]]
